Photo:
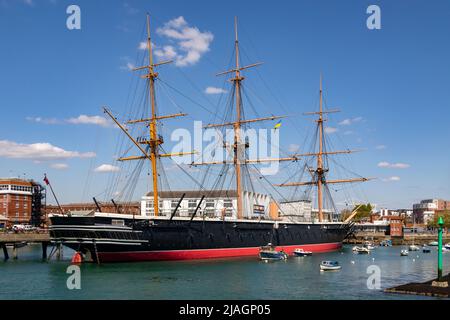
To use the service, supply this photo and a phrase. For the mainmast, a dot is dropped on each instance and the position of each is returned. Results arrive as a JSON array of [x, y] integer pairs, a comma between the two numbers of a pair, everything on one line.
[[319, 177], [238, 147], [154, 140]]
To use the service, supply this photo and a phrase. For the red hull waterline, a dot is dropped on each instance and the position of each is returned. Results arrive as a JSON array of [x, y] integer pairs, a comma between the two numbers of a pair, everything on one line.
[[207, 253]]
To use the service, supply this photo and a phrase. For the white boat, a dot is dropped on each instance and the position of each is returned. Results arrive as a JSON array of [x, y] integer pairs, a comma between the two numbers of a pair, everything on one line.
[[433, 244], [447, 246], [302, 253], [413, 247], [329, 266], [360, 250], [368, 245], [404, 253]]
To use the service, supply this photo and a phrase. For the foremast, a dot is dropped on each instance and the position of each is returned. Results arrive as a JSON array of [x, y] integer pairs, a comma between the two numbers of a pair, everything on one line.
[[154, 140]]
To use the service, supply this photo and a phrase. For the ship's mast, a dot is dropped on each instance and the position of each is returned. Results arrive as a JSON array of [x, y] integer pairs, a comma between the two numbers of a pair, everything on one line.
[[238, 147], [319, 169], [237, 126], [154, 140], [319, 179]]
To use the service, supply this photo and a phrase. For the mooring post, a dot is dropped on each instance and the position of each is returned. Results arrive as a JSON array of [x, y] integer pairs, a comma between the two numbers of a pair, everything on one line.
[[44, 250], [441, 224], [5, 251], [58, 251], [14, 252]]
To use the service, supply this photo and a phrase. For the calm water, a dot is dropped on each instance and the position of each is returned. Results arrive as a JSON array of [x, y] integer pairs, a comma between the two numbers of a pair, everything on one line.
[[243, 278]]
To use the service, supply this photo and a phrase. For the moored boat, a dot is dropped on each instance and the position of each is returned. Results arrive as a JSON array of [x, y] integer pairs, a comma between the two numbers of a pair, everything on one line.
[[329, 266], [302, 253], [426, 249], [433, 243], [413, 247], [404, 253], [269, 253], [361, 250]]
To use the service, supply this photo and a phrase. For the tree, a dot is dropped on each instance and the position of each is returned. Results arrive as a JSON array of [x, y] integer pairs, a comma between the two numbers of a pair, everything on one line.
[[363, 211], [445, 215]]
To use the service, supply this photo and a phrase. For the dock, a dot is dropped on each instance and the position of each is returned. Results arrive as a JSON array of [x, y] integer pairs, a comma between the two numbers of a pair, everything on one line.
[[17, 239], [424, 288], [407, 239]]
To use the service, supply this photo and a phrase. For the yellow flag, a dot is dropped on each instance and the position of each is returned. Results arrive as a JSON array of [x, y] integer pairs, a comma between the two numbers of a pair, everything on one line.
[[277, 125]]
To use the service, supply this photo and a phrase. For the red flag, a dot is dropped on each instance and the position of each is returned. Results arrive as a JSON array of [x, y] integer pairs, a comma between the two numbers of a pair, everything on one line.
[[46, 180]]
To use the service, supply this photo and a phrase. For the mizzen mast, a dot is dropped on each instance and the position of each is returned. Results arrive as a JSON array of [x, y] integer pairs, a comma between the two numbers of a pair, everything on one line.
[[319, 176]]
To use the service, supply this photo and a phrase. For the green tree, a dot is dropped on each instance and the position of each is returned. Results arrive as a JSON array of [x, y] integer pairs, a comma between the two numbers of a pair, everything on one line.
[[445, 215], [363, 211]]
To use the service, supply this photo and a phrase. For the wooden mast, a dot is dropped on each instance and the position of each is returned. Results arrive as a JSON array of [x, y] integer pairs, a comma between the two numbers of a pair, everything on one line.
[[237, 126], [320, 180], [154, 140], [319, 169]]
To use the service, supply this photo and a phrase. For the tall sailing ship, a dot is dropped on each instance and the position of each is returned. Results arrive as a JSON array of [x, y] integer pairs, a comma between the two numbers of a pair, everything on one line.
[[247, 220]]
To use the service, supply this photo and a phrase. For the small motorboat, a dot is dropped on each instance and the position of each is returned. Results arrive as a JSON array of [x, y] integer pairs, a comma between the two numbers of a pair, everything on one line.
[[413, 247], [404, 253], [302, 253], [433, 244], [329, 266], [426, 249], [368, 245], [447, 246], [361, 250], [268, 253], [386, 243]]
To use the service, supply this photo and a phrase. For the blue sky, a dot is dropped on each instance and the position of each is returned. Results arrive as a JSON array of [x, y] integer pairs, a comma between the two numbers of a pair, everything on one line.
[[390, 84]]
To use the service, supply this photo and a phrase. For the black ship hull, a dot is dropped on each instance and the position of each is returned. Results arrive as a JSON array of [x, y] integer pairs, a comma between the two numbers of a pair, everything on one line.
[[114, 239]]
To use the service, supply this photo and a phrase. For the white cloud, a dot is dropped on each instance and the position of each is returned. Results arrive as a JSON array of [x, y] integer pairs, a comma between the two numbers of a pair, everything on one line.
[[191, 42], [348, 132], [293, 147], [96, 120], [393, 178], [214, 90], [38, 151], [166, 52], [380, 147], [106, 168], [347, 122], [43, 120], [59, 166], [398, 165], [330, 130]]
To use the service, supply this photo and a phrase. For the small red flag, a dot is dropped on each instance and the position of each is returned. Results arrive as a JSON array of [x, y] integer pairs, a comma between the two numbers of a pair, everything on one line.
[[46, 180]]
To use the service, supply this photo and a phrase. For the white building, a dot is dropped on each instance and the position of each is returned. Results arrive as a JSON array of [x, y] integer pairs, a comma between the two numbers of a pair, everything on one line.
[[298, 210], [217, 203]]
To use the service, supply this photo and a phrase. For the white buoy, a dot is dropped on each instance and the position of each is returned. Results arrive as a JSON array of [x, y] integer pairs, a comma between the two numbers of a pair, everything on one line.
[[414, 260], [353, 262], [373, 259]]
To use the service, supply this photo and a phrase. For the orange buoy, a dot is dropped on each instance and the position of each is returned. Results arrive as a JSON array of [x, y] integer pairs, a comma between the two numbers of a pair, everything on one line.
[[77, 258]]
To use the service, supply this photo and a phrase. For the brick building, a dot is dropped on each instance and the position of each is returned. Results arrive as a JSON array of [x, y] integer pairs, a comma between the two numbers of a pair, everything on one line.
[[425, 210], [20, 201]]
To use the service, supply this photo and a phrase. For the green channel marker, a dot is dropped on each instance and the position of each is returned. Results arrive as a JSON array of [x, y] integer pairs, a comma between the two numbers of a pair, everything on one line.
[[441, 224]]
